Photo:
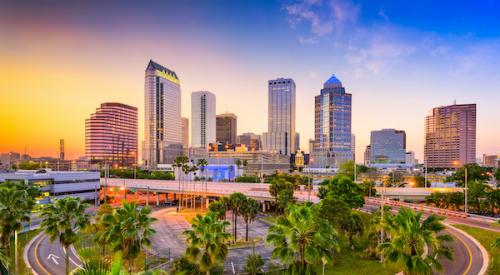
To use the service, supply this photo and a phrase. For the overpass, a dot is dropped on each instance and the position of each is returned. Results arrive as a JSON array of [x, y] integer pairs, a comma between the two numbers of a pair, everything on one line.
[[258, 191]]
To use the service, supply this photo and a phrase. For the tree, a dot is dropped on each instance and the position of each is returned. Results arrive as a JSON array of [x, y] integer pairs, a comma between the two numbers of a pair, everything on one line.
[[369, 188], [477, 192], [94, 267], [285, 198], [183, 266], [99, 228], [301, 239], [254, 264], [474, 173], [129, 230], [206, 243], [218, 209], [352, 226], [374, 232], [343, 188], [62, 219], [202, 165], [409, 236], [277, 185], [335, 210], [180, 163], [494, 200], [249, 212], [237, 201]]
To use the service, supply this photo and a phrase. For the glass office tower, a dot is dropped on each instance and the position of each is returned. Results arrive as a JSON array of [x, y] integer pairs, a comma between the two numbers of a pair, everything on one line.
[[162, 111], [281, 135], [332, 125], [388, 146]]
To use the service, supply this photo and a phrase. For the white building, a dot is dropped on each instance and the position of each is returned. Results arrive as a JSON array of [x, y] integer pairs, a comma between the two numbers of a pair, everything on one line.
[[410, 158], [203, 119], [59, 184], [281, 135], [162, 111]]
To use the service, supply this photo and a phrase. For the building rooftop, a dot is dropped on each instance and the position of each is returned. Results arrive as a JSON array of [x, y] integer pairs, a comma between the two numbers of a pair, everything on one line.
[[155, 66], [333, 82]]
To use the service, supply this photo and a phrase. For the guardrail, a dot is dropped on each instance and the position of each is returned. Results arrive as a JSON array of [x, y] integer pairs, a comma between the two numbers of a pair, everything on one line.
[[421, 207]]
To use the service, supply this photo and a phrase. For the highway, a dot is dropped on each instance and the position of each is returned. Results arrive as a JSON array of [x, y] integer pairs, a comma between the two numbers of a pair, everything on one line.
[[48, 258]]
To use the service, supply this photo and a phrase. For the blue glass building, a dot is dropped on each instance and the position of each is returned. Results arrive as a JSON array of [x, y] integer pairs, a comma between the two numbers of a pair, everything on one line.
[[332, 125]]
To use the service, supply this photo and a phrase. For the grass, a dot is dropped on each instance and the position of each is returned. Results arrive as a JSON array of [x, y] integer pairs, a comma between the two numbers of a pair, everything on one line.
[[23, 239], [485, 237], [242, 243], [190, 214], [350, 262]]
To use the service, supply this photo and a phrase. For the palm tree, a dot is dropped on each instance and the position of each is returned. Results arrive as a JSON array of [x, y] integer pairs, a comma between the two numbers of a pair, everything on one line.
[[4, 262], [237, 201], [94, 267], [206, 242], [202, 164], [249, 211], [301, 239], [409, 236], [218, 209], [129, 230], [62, 219], [179, 163], [99, 228], [254, 264], [15, 208], [193, 169]]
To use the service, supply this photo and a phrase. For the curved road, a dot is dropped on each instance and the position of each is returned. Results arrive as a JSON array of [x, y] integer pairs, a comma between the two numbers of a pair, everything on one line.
[[468, 258], [46, 258]]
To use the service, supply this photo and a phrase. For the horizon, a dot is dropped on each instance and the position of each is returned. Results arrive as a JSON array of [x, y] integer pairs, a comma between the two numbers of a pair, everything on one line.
[[61, 62]]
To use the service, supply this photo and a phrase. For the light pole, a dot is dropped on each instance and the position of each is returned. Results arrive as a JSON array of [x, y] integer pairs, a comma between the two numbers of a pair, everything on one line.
[[455, 163]]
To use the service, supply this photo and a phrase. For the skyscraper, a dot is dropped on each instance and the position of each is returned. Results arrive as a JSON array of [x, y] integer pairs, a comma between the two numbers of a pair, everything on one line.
[[162, 111], [111, 135], [203, 125], [185, 135], [450, 136], [226, 128], [280, 136], [332, 125], [388, 146]]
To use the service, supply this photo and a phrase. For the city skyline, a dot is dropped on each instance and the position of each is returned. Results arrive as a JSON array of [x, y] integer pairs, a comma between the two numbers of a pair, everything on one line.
[[65, 87]]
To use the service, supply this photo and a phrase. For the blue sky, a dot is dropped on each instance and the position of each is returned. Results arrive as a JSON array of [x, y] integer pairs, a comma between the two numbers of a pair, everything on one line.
[[399, 59]]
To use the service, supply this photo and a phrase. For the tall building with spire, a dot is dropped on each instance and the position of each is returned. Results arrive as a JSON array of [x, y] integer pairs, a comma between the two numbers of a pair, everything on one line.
[[162, 111], [450, 136], [203, 123], [281, 135], [332, 125]]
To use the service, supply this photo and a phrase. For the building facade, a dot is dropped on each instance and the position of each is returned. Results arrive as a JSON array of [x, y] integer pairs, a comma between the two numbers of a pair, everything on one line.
[[410, 158], [491, 161], [111, 135], [368, 155], [57, 185], [251, 140], [203, 122], [388, 146], [162, 116], [450, 136], [226, 128], [281, 135], [332, 125], [185, 135]]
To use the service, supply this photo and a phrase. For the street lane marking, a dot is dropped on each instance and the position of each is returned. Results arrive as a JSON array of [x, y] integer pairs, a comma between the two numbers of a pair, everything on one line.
[[53, 257], [36, 255], [468, 251]]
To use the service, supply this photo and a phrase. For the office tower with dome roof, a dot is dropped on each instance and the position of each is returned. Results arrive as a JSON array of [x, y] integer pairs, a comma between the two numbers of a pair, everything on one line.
[[332, 125]]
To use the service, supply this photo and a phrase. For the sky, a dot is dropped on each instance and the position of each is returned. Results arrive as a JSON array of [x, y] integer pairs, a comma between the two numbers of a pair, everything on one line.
[[59, 60]]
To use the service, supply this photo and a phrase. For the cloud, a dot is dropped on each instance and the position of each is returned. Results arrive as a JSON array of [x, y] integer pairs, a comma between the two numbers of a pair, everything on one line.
[[324, 17], [307, 40]]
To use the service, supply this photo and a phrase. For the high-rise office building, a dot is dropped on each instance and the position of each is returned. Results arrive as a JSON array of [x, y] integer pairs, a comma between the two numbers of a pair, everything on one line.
[[311, 145], [410, 158], [61, 149], [332, 125], [450, 136], [111, 135], [297, 142], [280, 136], [203, 123], [162, 111], [226, 128], [388, 146], [185, 135], [250, 140], [491, 160]]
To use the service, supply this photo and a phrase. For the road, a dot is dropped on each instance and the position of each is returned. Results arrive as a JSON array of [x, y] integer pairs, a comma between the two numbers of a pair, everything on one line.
[[46, 258], [468, 258]]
